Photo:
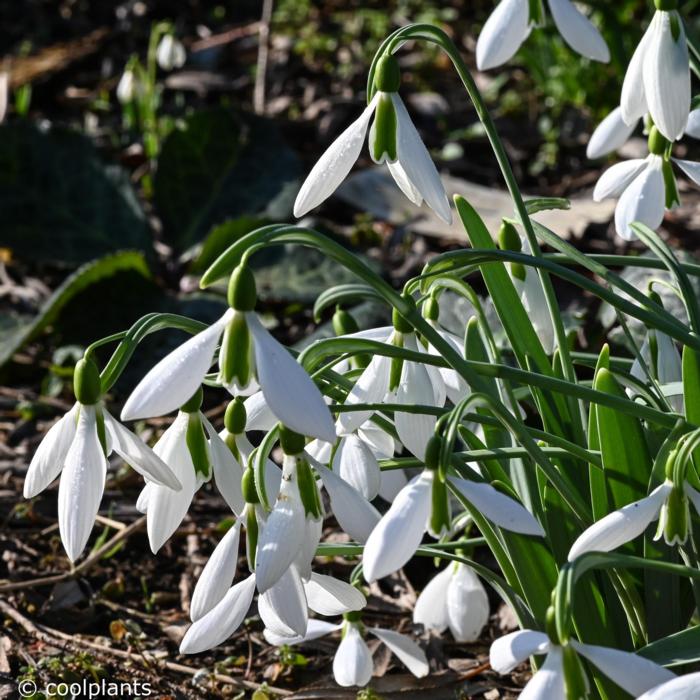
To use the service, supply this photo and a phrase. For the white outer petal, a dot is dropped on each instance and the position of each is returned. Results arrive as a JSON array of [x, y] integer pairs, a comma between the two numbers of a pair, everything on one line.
[[258, 413], [578, 31], [222, 621], [431, 607], [467, 605], [535, 302], [288, 390], [335, 164], [379, 441], [644, 201], [612, 133], [227, 471], [669, 360], [404, 184], [82, 485], [328, 596], [548, 682], [393, 480], [512, 649], [631, 672], [218, 574], [173, 381], [352, 664], [355, 463], [283, 608], [681, 688], [616, 179], [693, 496], [399, 533], [499, 508], [417, 164], [622, 525], [667, 77], [138, 455], [355, 514], [690, 168], [633, 101], [314, 630], [505, 30], [455, 386], [167, 508], [411, 655], [50, 456], [692, 128]]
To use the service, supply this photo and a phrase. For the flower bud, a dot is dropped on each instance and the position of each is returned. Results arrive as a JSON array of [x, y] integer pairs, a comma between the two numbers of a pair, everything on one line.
[[170, 53], [235, 417], [242, 294], [87, 385], [292, 443], [387, 75], [509, 239]]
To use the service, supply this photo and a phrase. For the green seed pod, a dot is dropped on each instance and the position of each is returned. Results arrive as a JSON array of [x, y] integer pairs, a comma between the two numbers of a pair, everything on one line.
[[382, 136], [509, 238], [87, 385], [431, 309], [250, 493], [400, 323], [575, 679], [432, 452], [292, 443], [440, 508], [307, 489], [387, 74], [242, 294], [197, 445], [657, 142], [251, 536], [235, 417], [343, 322], [194, 403]]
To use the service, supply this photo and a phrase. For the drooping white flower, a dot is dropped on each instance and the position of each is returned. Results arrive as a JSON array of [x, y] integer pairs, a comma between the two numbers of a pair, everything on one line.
[[610, 135], [170, 53], [681, 688], [665, 503], [392, 139], [284, 383], [352, 664], [454, 598], [129, 87], [73, 448], [658, 77], [512, 21], [631, 672]]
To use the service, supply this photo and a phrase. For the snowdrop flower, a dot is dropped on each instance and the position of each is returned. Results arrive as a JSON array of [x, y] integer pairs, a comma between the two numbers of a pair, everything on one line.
[[610, 135], [667, 503], [129, 86], [248, 353], [454, 598], [658, 76], [4, 92], [170, 53], [392, 139], [399, 533], [352, 664], [77, 448], [681, 688], [512, 20], [631, 672]]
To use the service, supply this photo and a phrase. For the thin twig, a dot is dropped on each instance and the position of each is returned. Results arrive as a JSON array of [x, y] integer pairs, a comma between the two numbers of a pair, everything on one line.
[[263, 53]]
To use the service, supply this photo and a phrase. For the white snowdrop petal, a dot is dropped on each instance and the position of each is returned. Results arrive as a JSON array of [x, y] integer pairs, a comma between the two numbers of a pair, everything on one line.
[[314, 630], [431, 607], [680, 688], [616, 179], [505, 30], [281, 538], [512, 649], [404, 184], [218, 574], [355, 463], [335, 164], [692, 128], [174, 380], [693, 497], [690, 168], [393, 480], [622, 525], [328, 596], [417, 164], [50, 456], [258, 413], [138, 455], [168, 508], [643, 201], [355, 514], [578, 31], [411, 655], [499, 508], [371, 387], [379, 441], [667, 76], [221, 621], [669, 360], [633, 101], [548, 682], [227, 471], [283, 608], [467, 605], [142, 500], [612, 133], [82, 484], [352, 664], [631, 672], [312, 536], [535, 303], [399, 533], [287, 387]]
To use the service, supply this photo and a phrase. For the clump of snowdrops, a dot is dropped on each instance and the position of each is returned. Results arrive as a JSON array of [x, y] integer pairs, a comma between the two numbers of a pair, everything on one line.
[[578, 471]]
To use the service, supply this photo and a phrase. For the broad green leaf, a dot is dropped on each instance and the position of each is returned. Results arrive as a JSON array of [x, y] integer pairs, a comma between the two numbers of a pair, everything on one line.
[[18, 330], [676, 649], [60, 203]]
